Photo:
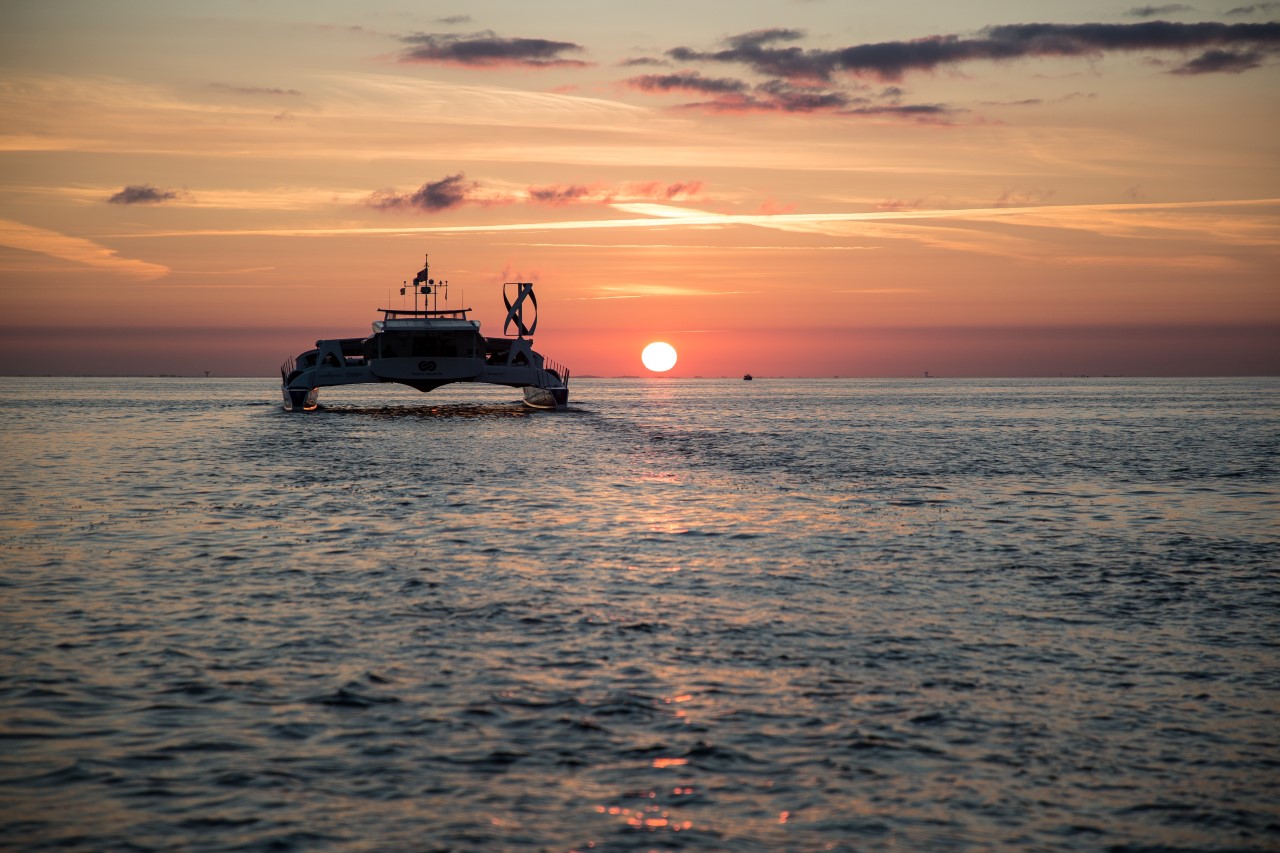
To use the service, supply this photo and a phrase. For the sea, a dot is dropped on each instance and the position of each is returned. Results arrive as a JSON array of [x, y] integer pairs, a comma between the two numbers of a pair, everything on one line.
[[678, 614]]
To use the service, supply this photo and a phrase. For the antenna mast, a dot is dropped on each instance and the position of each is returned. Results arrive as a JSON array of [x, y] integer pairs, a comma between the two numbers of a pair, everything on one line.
[[423, 284]]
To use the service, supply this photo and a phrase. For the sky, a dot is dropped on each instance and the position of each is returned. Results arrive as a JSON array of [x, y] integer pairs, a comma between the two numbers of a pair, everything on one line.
[[785, 187]]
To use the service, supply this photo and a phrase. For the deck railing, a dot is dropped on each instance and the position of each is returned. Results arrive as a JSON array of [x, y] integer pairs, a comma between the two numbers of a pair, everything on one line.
[[556, 367]]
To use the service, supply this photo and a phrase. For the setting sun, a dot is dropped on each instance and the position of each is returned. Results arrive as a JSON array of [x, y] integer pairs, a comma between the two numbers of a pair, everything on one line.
[[659, 357]]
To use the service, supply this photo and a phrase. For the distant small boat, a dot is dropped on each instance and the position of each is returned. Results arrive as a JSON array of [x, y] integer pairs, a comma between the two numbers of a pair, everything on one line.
[[747, 378], [425, 349]]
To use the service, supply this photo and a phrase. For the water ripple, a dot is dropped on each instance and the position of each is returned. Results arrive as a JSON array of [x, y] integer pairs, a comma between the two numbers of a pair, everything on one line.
[[675, 616]]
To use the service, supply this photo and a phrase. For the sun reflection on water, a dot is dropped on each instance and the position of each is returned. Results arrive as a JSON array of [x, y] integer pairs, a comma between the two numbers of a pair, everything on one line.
[[651, 817]]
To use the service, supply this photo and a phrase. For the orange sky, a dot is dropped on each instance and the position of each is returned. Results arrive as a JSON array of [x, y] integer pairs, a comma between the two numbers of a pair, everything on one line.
[[794, 188]]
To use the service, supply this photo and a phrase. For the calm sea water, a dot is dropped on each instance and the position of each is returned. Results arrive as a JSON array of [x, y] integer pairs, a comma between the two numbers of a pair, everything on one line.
[[679, 615]]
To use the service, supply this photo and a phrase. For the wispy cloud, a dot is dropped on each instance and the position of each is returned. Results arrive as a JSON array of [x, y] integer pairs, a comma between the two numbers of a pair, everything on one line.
[[730, 95], [966, 229], [488, 50], [886, 290], [255, 90], [1255, 8], [284, 198], [632, 291], [615, 193], [455, 191], [1156, 11], [78, 250], [361, 117]]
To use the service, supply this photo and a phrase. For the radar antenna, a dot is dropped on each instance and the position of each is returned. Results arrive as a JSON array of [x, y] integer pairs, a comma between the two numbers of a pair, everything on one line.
[[424, 284]]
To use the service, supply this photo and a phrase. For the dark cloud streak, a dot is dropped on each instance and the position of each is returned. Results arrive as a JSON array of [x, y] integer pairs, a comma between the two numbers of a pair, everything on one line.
[[891, 60], [1221, 62], [781, 96], [254, 90], [643, 61], [686, 81], [1254, 9], [558, 195], [487, 50], [443, 194], [1156, 11], [141, 194], [455, 190]]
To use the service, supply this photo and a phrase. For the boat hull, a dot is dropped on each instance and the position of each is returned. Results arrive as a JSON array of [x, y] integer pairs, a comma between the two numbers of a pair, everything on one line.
[[300, 399], [545, 398], [427, 370]]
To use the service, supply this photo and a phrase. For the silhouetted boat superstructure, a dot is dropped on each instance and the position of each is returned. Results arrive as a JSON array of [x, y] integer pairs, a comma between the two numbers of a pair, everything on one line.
[[426, 348]]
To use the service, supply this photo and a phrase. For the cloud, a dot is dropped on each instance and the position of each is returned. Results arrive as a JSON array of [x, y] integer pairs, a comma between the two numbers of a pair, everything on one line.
[[443, 194], [891, 60], [1023, 198], [731, 95], [626, 192], [254, 90], [971, 230], [685, 81], [1156, 11], [783, 97], [487, 50], [893, 204], [455, 191], [640, 61], [637, 290], [685, 189], [1221, 61], [1254, 8], [931, 113], [558, 195], [75, 249], [141, 194], [753, 50], [806, 80]]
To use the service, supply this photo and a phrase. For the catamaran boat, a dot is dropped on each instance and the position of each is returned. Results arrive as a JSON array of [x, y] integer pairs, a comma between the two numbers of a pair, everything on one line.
[[426, 348]]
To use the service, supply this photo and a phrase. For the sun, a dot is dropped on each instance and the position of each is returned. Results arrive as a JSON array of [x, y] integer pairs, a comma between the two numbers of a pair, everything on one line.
[[659, 357]]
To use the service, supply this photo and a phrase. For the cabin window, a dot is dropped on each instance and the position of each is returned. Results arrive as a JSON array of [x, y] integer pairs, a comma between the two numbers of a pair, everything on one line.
[[497, 351], [417, 344]]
